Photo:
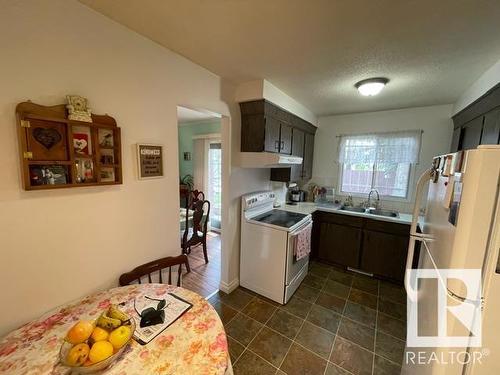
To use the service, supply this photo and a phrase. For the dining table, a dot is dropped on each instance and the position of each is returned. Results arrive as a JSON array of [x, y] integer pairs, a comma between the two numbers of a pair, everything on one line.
[[183, 220], [195, 343]]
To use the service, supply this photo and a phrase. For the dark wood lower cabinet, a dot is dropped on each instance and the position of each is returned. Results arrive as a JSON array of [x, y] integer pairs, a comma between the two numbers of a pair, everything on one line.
[[384, 254], [339, 244], [369, 245]]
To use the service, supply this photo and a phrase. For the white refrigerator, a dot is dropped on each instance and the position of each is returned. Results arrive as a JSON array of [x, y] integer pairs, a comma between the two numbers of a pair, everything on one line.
[[460, 230]]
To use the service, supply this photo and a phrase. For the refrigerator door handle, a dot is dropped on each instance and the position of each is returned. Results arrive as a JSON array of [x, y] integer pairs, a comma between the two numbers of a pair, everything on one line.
[[422, 181], [414, 236], [410, 292]]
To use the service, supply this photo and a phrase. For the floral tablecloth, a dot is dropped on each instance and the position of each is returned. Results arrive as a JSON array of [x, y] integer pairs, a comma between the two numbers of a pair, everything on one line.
[[195, 344]]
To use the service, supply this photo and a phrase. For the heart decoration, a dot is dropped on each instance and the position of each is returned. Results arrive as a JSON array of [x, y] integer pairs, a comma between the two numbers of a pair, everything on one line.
[[79, 145], [47, 137]]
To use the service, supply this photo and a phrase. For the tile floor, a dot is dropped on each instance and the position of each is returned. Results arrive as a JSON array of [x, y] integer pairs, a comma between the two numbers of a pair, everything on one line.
[[337, 323]]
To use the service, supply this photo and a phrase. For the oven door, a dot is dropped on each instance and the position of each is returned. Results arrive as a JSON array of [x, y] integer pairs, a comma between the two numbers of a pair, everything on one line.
[[293, 266]]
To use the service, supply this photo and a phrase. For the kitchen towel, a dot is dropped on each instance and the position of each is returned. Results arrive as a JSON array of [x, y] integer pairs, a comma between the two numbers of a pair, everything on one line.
[[303, 243]]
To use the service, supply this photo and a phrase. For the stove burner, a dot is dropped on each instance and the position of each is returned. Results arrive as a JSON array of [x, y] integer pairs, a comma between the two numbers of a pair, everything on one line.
[[280, 218]]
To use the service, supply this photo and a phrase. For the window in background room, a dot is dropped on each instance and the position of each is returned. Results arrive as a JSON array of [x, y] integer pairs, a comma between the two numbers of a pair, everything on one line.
[[378, 161], [215, 184]]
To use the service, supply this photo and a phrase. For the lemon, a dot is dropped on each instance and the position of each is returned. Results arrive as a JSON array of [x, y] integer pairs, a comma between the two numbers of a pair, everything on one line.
[[100, 351], [120, 336], [99, 334]]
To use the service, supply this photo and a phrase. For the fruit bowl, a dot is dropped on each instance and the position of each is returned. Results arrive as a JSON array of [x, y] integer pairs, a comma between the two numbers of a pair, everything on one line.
[[78, 355]]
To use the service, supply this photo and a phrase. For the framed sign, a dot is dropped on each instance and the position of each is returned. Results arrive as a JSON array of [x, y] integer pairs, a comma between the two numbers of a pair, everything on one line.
[[149, 160]]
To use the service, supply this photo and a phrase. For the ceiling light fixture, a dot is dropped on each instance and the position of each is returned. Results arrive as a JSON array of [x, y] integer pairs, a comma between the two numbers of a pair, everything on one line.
[[371, 86]]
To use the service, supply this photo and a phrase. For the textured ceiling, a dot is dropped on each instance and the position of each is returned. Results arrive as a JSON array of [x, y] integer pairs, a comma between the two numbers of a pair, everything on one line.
[[315, 50]]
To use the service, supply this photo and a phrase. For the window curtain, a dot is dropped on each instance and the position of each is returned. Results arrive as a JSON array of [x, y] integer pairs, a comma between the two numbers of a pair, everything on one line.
[[393, 147], [199, 162]]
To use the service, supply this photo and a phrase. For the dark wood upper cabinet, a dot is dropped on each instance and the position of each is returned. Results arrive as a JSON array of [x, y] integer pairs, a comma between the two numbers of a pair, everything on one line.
[[297, 150], [471, 133], [491, 128], [254, 137], [303, 146], [272, 135], [298, 142], [479, 123], [285, 139], [456, 140], [267, 127], [307, 163]]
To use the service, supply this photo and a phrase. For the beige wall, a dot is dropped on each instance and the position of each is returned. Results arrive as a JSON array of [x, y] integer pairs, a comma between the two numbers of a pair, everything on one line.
[[59, 245], [434, 121], [241, 181]]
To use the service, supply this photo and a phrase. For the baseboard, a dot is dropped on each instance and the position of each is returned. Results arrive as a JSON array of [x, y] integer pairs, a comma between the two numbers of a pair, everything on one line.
[[212, 294], [228, 288]]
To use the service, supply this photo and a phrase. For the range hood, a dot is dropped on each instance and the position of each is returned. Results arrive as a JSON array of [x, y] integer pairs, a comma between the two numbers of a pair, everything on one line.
[[267, 160]]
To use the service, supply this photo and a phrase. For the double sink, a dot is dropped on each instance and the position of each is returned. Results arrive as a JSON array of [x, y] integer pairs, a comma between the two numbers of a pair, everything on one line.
[[370, 211]]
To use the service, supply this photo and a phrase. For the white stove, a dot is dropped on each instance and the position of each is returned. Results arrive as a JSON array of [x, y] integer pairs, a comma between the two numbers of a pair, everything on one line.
[[267, 263]]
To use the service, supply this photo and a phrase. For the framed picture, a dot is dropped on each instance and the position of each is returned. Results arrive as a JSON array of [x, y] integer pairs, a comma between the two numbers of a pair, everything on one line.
[[48, 175], [107, 157], [84, 170], [149, 161], [106, 138], [107, 174], [81, 143]]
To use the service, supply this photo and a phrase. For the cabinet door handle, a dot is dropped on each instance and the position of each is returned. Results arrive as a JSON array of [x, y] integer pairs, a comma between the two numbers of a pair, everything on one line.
[[282, 144], [276, 145]]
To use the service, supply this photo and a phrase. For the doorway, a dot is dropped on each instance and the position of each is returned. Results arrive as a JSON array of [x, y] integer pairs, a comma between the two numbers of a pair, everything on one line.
[[200, 170], [214, 183]]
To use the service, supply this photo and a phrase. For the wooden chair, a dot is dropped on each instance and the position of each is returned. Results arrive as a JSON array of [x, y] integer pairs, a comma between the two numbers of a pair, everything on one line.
[[188, 197], [199, 227], [155, 266], [184, 194], [193, 197]]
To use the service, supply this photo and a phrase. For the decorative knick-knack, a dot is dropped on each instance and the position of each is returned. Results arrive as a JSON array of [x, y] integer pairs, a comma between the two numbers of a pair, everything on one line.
[[78, 109]]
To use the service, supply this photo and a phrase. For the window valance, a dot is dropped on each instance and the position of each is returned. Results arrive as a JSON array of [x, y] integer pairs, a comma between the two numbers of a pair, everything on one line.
[[390, 147]]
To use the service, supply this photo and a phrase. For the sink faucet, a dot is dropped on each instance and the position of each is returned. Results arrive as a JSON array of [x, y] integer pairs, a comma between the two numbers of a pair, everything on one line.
[[370, 197], [348, 201]]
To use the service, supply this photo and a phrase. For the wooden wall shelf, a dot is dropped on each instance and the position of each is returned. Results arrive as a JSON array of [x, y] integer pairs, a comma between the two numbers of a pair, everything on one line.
[[60, 153]]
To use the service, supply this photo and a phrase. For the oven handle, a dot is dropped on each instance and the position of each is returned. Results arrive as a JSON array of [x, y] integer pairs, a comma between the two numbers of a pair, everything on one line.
[[301, 228], [293, 235]]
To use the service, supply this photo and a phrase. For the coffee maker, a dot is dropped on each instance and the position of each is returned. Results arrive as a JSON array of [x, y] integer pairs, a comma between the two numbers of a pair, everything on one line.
[[295, 195]]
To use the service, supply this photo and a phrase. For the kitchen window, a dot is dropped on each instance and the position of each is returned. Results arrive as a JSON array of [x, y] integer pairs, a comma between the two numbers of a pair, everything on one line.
[[379, 161]]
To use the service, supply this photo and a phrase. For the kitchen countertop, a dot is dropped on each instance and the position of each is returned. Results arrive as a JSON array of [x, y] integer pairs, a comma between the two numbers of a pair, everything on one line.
[[310, 207]]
